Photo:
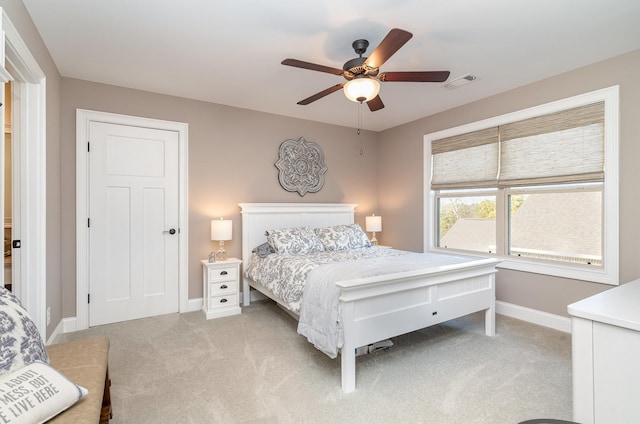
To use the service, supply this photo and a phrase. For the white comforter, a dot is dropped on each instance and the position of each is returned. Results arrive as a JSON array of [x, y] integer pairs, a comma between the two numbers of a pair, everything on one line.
[[320, 307]]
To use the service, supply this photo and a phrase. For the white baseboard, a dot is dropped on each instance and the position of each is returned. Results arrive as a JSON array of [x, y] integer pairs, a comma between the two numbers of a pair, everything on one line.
[[534, 316], [256, 295], [194, 305], [557, 322], [68, 325], [58, 330]]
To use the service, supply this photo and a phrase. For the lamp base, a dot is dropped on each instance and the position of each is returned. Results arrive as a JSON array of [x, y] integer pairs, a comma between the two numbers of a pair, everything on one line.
[[221, 255], [374, 240]]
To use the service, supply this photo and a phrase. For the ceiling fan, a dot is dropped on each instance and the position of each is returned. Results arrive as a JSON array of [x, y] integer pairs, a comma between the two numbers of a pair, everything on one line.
[[363, 73]]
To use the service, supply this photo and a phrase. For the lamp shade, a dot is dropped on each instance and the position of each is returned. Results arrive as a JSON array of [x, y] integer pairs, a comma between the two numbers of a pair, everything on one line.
[[373, 223], [361, 89], [221, 229]]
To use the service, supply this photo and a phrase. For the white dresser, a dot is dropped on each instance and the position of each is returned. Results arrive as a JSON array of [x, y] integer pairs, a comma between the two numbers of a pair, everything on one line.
[[606, 356], [221, 288]]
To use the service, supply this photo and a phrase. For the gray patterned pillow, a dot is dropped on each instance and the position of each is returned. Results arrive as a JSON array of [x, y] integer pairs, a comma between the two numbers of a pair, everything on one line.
[[263, 250], [342, 237], [20, 341], [294, 241]]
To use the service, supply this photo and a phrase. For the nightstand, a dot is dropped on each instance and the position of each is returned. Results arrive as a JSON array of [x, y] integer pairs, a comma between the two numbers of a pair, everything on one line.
[[221, 288], [381, 246]]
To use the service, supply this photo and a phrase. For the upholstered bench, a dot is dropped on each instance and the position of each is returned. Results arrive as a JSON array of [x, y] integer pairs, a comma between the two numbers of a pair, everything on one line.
[[62, 383], [85, 362]]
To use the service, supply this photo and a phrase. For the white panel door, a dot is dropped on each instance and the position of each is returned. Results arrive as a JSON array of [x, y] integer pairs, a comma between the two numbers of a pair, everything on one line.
[[133, 222]]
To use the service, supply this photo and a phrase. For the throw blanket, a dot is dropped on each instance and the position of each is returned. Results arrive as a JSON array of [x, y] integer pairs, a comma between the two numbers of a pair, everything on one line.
[[320, 308]]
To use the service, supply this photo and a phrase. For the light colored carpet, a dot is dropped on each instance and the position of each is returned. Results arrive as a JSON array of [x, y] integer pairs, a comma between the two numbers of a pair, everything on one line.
[[255, 368]]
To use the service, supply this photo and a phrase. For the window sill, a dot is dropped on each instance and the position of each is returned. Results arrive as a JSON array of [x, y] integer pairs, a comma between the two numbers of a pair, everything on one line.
[[595, 274], [585, 273]]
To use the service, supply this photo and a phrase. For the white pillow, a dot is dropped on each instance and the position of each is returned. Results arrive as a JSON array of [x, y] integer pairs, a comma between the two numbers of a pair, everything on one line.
[[35, 393]]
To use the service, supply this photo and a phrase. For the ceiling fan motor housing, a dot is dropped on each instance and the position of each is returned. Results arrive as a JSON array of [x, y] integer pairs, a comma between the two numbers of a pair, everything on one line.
[[355, 68]]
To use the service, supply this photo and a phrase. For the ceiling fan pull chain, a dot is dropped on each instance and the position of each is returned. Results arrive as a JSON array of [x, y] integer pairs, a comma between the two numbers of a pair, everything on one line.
[[359, 117], [360, 125]]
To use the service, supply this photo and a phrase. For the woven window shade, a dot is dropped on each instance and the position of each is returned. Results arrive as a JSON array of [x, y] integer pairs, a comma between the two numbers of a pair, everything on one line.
[[561, 147], [466, 160]]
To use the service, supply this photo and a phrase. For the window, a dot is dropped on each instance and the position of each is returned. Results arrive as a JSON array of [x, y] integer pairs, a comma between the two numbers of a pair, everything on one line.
[[530, 188], [467, 221]]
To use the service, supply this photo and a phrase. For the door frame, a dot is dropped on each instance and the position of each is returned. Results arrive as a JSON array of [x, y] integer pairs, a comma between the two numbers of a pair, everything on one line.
[[83, 119], [29, 132]]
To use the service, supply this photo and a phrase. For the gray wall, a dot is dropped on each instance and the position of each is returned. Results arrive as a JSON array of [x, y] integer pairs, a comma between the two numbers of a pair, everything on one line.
[[401, 197], [231, 160]]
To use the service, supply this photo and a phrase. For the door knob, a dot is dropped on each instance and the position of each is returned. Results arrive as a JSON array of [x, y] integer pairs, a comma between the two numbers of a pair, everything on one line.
[[171, 231]]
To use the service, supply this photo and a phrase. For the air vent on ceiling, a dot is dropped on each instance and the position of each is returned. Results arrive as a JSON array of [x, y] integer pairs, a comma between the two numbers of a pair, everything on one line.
[[459, 82]]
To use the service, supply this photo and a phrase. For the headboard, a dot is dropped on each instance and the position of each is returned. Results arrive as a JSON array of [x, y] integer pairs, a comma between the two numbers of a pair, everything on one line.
[[259, 217]]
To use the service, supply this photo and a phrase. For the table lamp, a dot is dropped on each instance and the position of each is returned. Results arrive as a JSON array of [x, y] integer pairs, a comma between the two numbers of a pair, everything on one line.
[[373, 224], [221, 230]]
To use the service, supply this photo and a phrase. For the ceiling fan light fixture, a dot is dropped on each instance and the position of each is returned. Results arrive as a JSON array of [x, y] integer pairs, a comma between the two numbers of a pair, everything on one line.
[[362, 89]]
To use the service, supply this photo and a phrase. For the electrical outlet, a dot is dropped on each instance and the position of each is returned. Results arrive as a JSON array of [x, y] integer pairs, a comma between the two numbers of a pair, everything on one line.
[[48, 315]]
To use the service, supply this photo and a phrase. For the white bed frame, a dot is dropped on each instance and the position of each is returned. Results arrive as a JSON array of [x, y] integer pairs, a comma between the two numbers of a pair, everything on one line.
[[378, 308]]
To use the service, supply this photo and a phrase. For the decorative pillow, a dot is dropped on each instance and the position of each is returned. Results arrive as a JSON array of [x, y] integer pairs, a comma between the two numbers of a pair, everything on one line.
[[342, 237], [35, 393], [20, 341], [294, 241], [263, 250]]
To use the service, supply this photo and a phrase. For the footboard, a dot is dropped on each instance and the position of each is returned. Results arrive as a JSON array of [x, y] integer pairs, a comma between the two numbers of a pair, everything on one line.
[[375, 309]]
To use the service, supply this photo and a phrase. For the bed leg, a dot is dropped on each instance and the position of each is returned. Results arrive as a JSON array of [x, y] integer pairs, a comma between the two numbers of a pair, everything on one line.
[[490, 321], [246, 293], [348, 368]]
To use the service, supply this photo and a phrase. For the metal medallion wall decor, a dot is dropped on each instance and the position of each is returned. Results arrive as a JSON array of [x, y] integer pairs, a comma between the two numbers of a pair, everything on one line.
[[301, 166]]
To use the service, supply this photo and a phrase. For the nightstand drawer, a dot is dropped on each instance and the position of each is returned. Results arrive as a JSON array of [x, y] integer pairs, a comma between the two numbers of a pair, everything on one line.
[[223, 274], [223, 288], [223, 301]]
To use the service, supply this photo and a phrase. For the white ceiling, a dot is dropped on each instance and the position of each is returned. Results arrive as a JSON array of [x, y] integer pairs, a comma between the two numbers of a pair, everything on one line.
[[229, 52]]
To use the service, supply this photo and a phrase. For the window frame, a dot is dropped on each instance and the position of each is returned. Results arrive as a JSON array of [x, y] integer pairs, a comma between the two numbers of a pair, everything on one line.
[[608, 273]]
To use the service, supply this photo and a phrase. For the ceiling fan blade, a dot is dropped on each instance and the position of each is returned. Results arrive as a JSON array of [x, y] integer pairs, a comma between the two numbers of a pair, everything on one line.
[[427, 76], [375, 104], [387, 47], [321, 94], [312, 66]]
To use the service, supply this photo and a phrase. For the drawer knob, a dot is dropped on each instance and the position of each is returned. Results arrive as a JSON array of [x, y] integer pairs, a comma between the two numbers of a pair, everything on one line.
[[223, 273], [223, 300], [224, 286]]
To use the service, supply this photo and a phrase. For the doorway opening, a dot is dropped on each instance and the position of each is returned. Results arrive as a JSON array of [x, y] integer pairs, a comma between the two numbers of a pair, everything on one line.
[[28, 151], [8, 188]]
